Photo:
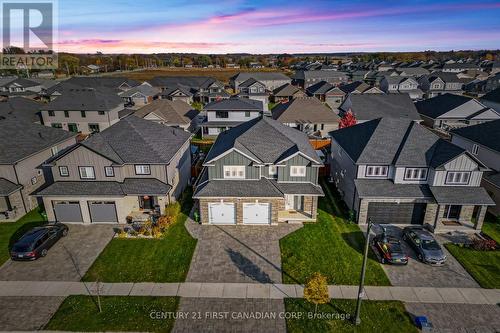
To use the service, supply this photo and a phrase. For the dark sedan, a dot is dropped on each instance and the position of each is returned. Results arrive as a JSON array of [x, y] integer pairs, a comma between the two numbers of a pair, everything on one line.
[[390, 250], [427, 249], [37, 242]]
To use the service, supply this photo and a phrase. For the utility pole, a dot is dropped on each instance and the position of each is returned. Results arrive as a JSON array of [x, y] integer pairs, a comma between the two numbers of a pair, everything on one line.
[[361, 292]]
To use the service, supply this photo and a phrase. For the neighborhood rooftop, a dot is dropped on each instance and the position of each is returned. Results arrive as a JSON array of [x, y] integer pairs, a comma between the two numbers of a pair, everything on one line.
[[373, 106], [486, 134]]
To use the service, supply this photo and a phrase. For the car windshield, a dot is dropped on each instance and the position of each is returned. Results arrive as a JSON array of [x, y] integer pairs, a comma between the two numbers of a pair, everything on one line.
[[430, 244], [395, 247], [21, 247]]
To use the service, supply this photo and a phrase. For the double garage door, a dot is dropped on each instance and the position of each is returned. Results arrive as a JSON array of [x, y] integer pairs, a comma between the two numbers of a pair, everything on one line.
[[253, 213], [100, 211], [393, 213]]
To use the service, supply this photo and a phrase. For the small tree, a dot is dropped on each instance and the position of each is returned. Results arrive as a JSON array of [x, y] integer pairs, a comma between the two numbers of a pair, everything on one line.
[[316, 290], [348, 120]]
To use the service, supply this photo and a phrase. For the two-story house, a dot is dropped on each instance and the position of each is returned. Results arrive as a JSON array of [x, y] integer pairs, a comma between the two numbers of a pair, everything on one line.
[[255, 90], [25, 145], [286, 93], [170, 113], [260, 172], [328, 93], [492, 99], [83, 110], [202, 89], [15, 86], [271, 80], [401, 84], [483, 141], [131, 168], [227, 113], [439, 83], [394, 170], [305, 79]]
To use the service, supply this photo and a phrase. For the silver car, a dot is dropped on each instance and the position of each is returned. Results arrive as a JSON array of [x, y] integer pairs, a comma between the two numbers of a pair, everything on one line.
[[427, 249]]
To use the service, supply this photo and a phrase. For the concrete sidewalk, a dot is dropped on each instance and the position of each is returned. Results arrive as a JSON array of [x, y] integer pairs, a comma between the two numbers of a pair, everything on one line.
[[247, 290]]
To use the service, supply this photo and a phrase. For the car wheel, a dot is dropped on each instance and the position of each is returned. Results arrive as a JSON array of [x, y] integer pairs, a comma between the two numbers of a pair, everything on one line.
[[419, 257], [65, 233], [382, 260], [43, 253]]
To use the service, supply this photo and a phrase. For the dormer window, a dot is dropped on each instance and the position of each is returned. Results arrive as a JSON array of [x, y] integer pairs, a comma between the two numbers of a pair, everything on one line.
[[415, 174], [377, 171], [234, 171], [457, 178], [142, 169], [297, 171]]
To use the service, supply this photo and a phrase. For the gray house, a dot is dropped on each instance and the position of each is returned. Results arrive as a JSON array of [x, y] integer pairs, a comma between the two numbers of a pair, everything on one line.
[[261, 172], [394, 170], [439, 83], [170, 113], [401, 84], [22, 108], [23, 147], [483, 141], [202, 89], [129, 169], [492, 99], [271, 80], [305, 79]]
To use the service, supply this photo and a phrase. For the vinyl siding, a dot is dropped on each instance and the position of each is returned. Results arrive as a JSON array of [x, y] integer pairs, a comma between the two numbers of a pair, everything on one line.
[[485, 155], [298, 160], [233, 158], [461, 163]]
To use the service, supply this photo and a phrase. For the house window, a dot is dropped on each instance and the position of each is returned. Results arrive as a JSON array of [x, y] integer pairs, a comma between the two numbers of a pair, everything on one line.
[[56, 125], [52, 114], [84, 114], [247, 114], [322, 127], [66, 114], [234, 171], [94, 128], [221, 114], [273, 170], [475, 149], [101, 113], [415, 174], [63, 171], [142, 170], [109, 171], [452, 211], [457, 178], [54, 150], [298, 171], [86, 172], [34, 180], [377, 171]]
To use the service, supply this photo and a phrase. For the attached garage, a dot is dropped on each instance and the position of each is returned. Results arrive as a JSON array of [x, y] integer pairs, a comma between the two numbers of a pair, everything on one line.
[[68, 211], [221, 213], [257, 213], [394, 213], [103, 211]]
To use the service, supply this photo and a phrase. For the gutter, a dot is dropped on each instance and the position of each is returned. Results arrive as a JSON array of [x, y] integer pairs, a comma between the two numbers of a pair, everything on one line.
[[22, 195]]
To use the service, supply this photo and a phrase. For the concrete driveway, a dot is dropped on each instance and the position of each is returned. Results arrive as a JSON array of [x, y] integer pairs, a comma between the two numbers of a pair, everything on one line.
[[67, 260], [418, 274]]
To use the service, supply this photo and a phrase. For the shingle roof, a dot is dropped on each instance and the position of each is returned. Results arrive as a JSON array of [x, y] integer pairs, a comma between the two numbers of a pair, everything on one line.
[[304, 110], [20, 139], [319, 74], [238, 188], [85, 99], [442, 104], [196, 82], [101, 82], [486, 134], [286, 90], [320, 88], [263, 139], [260, 76], [249, 82], [172, 112], [299, 188], [144, 89], [461, 195], [22, 82], [492, 96], [357, 85], [234, 104], [385, 188], [136, 140], [373, 106], [21, 108], [7, 187]]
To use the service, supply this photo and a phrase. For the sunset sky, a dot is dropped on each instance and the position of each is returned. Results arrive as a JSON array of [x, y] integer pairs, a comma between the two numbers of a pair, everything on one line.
[[257, 26]]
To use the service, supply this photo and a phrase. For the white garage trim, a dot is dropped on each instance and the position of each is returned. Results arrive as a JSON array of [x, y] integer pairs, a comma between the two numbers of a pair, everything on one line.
[[257, 213], [221, 213]]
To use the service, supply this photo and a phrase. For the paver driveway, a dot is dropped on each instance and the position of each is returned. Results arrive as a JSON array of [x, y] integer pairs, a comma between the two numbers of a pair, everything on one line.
[[67, 260], [27, 313], [237, 253]]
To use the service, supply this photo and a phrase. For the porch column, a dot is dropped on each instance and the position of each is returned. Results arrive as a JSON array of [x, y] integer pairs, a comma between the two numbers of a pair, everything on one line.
[[480, 218]]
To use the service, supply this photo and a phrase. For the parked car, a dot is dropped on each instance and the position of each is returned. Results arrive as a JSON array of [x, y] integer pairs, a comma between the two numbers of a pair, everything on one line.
[[427, 249], [390, 250], [37, 242]]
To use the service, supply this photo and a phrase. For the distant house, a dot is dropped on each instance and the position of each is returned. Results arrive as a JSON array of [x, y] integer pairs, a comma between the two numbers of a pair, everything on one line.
[[286, 93], [328, 93], [404, 85], [439, 83], [170, 113], [448, 111], [412, 71], [367, 107], [97, 82], [305, 79], [255, 90], [458, 67], [24, 146], [21, 108], [271, 80], [14, 86], [307, 114], [492, 83], [227, 113], [140, 95], [359, 87], [93, 69], [492, 99], [202, 89]]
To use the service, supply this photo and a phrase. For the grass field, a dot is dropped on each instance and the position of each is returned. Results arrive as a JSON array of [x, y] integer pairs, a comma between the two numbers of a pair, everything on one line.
[[376, 316], [11, 231], [331, 246], [119, 313]]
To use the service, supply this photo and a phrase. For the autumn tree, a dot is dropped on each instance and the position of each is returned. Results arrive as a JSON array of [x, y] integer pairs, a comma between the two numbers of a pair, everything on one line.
[[316, 290], [348, 120]]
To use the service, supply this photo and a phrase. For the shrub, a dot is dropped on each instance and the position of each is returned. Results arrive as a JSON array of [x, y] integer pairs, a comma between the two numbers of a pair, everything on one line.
[[484, 244], [316, 290], [173, 210], [122, 234], [157, 232]]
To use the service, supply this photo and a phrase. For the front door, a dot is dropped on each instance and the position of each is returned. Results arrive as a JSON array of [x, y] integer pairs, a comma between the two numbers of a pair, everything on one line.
[[146, 202], [73, 128], [452, 212], [298, 203]]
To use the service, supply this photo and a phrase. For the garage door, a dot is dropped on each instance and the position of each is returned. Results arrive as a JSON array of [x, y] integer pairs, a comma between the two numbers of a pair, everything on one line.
[[256, 213], [221, 213], [68, 211], [403, 213], [102, 211]]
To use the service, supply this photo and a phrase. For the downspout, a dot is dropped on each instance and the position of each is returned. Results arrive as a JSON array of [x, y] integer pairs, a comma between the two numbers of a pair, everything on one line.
[[22, 195]]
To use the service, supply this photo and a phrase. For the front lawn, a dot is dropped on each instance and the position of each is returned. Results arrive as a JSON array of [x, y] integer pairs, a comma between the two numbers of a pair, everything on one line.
[[331, 246], [12, 231], [119, 313], [491, 227], [148, 260], [376, 316]]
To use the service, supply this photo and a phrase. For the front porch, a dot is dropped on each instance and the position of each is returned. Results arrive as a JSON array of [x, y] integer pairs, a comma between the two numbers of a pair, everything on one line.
[[294, 216]]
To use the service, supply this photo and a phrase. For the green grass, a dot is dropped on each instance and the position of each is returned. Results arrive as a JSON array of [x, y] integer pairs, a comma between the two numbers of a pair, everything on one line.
[[119, 313], [148, 260], [331, 246], [12, 231], [376, 316], [491, 227]]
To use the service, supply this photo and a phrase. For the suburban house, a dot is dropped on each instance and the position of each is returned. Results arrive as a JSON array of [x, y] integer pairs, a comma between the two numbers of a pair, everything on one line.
[[359, 87], [128, 170], [492, 83], [305, 79], [448, 111], [411, 71], [372, 106], [483, 141], [492, 99], [170, 113], [285, 93], [401, 84], [227, 113], [271, 80], [458, 67], [307, 114], [140, 95], [202, 89], [14, 86], [260, 172], [439, 83], [328, 93], [394, 170], [255, 90], [83, 110], [115, 83], [22, 108], [25, 145]]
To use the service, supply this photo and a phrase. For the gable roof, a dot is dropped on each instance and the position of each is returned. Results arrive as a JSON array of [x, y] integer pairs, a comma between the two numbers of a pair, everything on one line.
[[318, 74], [304, 110], [144, 89], [492, 96], [264, 140], [234, 104], [444, 105], [355, 86], [20, 139], [83, 99], [486, 134], [195, 82], [21, 108], [172, 112], [250, 82], [259, 76], [101, 82], [373, 106], [320, 88], [286, 90]]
